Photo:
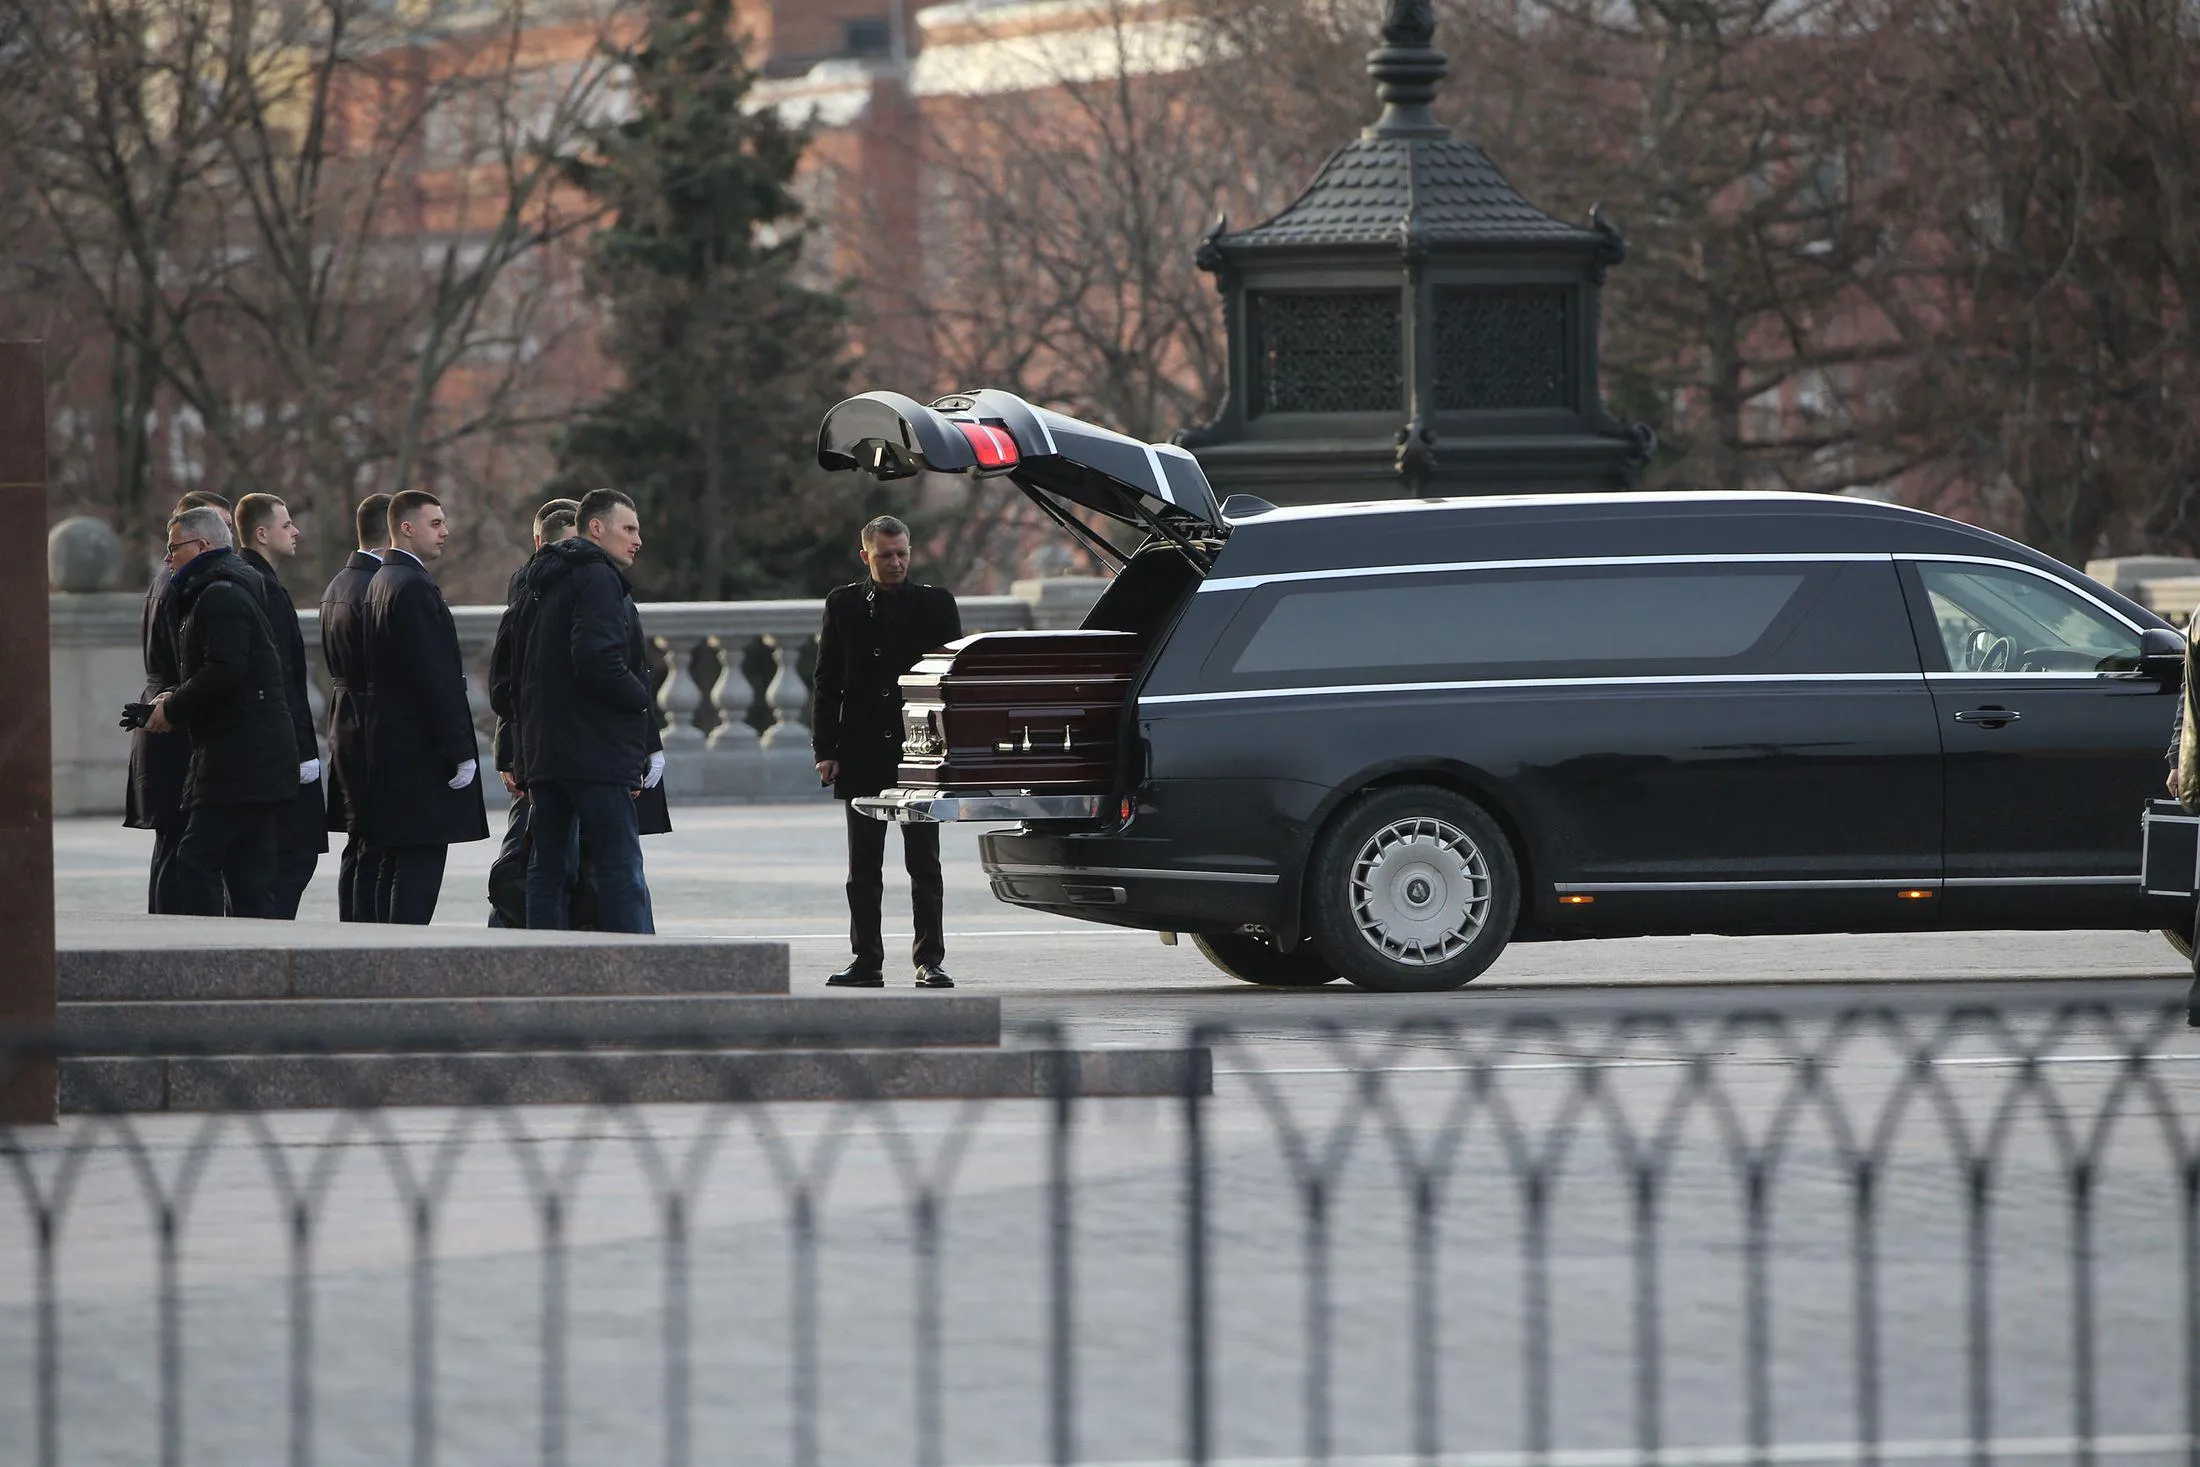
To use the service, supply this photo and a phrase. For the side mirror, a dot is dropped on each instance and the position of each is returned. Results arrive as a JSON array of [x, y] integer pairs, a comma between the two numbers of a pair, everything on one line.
[[2162, 656]]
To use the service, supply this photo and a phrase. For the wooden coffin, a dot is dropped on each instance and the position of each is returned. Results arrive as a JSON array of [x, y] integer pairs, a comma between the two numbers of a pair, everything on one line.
[[1017, 710]]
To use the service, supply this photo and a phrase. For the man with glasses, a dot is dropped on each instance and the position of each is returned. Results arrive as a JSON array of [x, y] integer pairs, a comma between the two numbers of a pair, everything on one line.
[[160, 761], [230, 700]]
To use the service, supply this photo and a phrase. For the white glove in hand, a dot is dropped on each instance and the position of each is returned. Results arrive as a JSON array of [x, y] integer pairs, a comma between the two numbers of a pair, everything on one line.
[[465, 775], [309, 771], [656, 770]]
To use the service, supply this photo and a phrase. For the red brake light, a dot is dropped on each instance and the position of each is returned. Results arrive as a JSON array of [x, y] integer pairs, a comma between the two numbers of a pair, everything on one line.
[[995, 449]]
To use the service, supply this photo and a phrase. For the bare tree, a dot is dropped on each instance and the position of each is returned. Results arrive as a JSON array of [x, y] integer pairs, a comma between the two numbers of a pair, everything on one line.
[[309, 227]]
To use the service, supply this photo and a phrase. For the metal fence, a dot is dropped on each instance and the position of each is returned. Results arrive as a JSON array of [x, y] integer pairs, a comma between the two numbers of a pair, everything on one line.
[[1872, 1236]]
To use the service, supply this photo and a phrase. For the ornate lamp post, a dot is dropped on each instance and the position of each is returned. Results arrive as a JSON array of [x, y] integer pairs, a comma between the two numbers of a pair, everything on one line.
[[1410, 324]]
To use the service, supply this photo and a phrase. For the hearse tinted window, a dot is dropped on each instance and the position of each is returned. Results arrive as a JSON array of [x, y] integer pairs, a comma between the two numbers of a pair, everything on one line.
[[1570, 621]]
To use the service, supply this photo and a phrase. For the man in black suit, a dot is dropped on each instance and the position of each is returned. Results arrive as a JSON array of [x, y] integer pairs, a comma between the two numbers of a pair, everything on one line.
[[423, 764], [160, 762], [229, 700], [344, 654], [508, 873], [265, 534], [875, 630]]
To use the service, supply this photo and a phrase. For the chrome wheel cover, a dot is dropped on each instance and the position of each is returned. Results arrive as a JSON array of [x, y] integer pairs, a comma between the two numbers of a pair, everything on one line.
[[1420, 891]]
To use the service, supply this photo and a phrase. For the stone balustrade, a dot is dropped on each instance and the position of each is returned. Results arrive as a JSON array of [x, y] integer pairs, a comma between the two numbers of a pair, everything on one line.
[[732, 680]]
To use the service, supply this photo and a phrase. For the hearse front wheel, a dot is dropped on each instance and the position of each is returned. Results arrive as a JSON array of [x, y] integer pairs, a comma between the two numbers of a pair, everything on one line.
[[1414, 890], [1254, 960]]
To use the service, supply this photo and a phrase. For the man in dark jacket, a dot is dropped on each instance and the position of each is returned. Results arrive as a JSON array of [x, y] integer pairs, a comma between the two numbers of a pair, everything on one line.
[[876, 630], [229, 699], [265, 534], [588, 740], [423, 764], [508, 873], [159, 762], [344, 654]]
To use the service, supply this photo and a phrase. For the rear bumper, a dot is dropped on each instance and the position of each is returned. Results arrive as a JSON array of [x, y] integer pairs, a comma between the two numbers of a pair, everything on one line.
[[1124, 880], [938, 807]]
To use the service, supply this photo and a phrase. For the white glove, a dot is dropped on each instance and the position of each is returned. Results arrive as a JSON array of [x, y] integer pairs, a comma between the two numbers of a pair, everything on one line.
[[309, 771], [465, 775], [656, 770]]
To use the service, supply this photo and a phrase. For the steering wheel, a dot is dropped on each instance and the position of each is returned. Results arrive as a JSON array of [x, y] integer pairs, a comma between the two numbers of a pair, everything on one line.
[[1996, 658]]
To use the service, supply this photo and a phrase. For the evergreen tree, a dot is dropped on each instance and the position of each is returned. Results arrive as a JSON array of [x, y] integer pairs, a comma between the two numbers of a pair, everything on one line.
[[727, 359]]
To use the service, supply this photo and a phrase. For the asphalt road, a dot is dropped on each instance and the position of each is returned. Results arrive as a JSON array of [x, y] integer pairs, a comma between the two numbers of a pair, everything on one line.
[[1960, 1219]]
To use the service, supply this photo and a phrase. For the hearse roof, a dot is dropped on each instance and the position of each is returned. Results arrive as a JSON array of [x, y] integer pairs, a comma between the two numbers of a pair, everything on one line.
[[1541, 526]]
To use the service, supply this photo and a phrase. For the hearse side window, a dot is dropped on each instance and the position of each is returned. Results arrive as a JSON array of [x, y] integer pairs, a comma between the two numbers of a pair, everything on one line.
[[1997, 619], [1570, 621]]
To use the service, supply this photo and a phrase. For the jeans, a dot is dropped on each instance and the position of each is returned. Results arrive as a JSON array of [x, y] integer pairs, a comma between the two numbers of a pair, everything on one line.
[[407, 881], [920, 853], [225, 849], [561, 815]]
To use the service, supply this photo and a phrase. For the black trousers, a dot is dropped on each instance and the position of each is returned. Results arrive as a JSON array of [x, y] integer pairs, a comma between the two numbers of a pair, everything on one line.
[[167, 834], [226, 850], [407, 881], [920, 852], [508, 872], [355, 874]]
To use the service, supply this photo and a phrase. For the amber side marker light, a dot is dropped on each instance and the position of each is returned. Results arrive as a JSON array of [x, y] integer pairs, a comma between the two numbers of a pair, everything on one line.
[[1576, 899], [1914, 894]]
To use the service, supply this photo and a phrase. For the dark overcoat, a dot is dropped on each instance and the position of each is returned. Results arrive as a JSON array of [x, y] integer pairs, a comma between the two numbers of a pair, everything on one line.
[[580, 671], [869, 639], [229, 696], [503, 674], [159, 762], [303, 825], [419, 729], [351, 685]]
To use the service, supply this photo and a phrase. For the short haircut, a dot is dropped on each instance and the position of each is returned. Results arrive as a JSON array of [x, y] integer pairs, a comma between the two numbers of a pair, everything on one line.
[[407, 506], [885, 524], [556, 514], [201, 522], [253, 511], [597, 504], [203, 499], [372, 521]]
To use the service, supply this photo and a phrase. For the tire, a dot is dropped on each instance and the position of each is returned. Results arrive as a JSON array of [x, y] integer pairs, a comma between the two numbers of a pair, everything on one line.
[[2180, 941], [1413, 890], [1252, 960]]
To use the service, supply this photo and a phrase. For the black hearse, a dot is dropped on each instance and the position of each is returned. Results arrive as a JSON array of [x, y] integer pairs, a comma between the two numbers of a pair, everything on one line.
[[1379, 741]]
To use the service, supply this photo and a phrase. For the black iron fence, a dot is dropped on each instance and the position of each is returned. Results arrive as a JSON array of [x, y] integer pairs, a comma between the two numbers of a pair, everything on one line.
[[1868, 1237]]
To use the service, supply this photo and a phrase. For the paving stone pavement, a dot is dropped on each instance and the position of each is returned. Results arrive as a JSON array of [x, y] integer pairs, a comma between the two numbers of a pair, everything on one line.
[[850, 1285]]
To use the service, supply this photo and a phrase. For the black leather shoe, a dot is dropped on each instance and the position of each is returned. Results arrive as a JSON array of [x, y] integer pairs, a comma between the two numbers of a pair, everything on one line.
[[932, 975], [855, 977]]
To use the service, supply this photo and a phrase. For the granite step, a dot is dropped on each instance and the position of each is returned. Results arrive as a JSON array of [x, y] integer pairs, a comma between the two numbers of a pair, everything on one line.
[[360, 1025], [275, 961], [372, 1081]]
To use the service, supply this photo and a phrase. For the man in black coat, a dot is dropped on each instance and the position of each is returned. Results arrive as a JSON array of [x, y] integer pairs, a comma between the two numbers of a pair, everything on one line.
[[588, 744], [160, 762], [508, 873], [423, 765], [265, 534], [230, 700], [876, 630], [344, 654]]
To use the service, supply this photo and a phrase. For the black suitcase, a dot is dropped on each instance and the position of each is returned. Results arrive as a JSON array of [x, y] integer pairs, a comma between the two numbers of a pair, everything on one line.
[[2169, 850]]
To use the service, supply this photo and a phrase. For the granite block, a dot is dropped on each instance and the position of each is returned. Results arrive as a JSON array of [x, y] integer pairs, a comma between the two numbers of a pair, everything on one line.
[[121, 973], [108, 1085], [280, 1082], [341, 1025]]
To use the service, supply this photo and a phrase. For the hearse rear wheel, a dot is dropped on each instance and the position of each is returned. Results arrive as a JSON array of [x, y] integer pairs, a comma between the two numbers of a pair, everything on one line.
[[1255, 960], [1414, 891], [2182, 941]]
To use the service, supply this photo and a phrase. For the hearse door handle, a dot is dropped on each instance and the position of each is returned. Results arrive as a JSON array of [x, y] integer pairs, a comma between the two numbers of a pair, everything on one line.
[[1990, 717]]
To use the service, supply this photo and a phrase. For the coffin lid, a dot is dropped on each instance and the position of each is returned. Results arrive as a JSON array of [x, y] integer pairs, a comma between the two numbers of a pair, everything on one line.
[[894, 437]]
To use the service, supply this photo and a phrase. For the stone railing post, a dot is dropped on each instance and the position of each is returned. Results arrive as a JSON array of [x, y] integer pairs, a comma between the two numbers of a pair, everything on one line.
[[788, 695], [679, 698], [730, 697]]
